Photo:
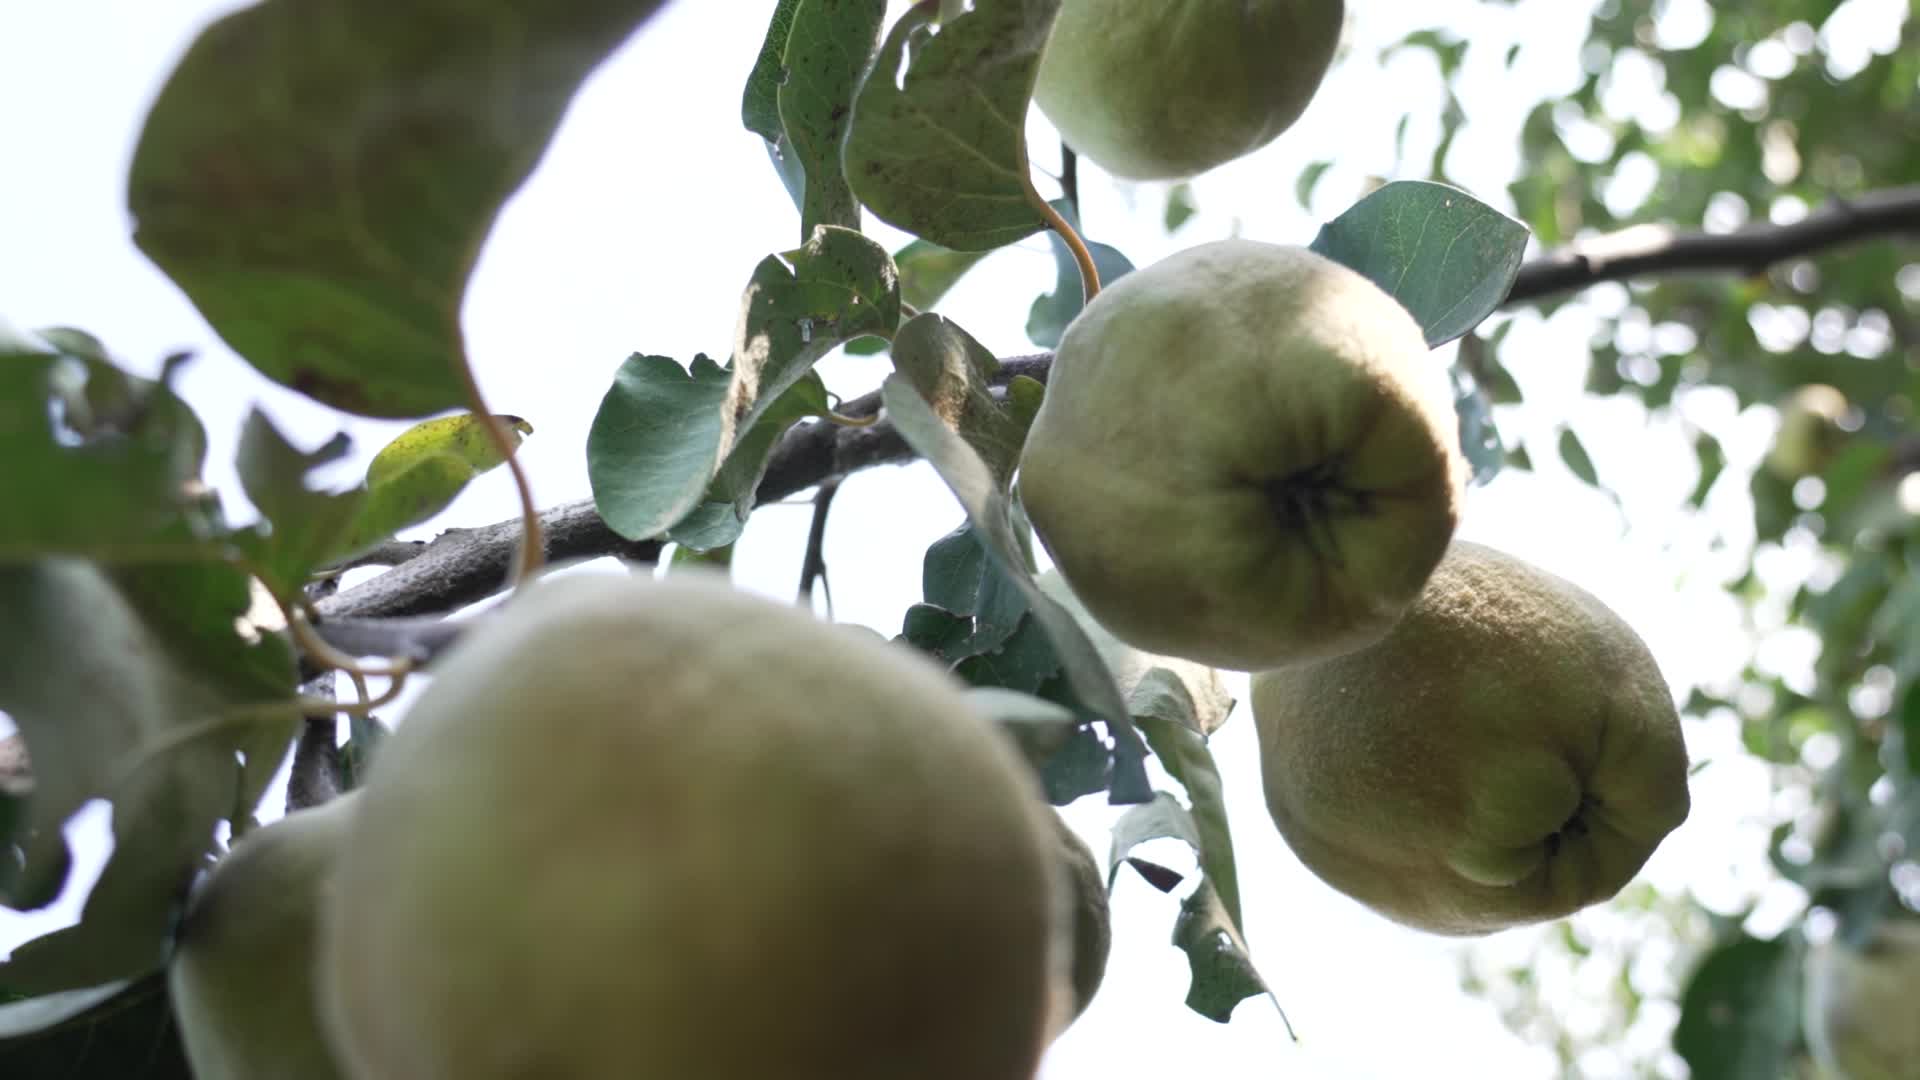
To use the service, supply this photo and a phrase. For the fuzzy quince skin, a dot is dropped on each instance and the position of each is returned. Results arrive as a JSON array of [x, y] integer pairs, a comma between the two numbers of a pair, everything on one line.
[[1507, 754], [1168, 89], [662, 828], [242, 978], [1246, 457]]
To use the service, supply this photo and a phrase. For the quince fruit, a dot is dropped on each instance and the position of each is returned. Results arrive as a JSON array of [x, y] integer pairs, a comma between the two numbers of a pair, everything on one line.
[[1172, 88], [1245, 457], [663, 828], [1507, 754]]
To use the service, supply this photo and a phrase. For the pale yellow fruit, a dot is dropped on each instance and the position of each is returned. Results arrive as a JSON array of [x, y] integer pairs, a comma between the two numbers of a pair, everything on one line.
[[1859, 1004], [241, 980], [1092, 915], [1129, 665], [1508, 753], [663, 828], [1810, 431], [1171, 88], [1246, 457]]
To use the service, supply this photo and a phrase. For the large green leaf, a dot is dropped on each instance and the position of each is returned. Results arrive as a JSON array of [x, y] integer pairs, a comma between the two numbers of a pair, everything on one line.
[[662, 434], [1445, 255], [122, 1031], [828, 47], [318, 176], [988, 507], [942, 153], [136, 695], [1740, 1013], [97, 462]]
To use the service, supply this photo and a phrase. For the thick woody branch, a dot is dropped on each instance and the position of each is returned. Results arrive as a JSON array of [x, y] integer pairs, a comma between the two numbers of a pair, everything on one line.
[[1657, 250], [466, 565]]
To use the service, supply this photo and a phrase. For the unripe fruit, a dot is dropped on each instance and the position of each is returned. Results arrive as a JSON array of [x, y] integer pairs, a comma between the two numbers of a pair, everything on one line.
[[1508, 753], [1171, 88], [242, 977], [1246, 457], [663, 828]]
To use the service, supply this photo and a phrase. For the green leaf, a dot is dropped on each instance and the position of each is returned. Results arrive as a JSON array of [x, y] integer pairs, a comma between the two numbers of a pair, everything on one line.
[[1448, 257], [1713, 461], [1222, 967], [1166, 715], [760, 102], [120, 1030], [927, 273], [943, 154], [124, 697], [988, 507], [953, 373], [318, 177], [937, 632], [365, 734], [1574, 453], [1025, 660], [960, 578], [1479, 438], [828, 47], [656, 441], [98, 463], [302, 527], [722, 514], [1739, 1015], [1051, 313], [1223, 974], [1309, 179], [1080, 768], [1180, 206], [420, 473], [662, 434], [1037, 726]]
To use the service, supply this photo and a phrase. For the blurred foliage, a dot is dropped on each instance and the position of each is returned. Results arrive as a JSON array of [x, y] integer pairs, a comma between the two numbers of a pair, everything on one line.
[[1766, 111]]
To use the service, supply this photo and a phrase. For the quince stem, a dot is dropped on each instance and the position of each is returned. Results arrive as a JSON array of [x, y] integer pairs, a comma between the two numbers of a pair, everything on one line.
[[1089, 273]]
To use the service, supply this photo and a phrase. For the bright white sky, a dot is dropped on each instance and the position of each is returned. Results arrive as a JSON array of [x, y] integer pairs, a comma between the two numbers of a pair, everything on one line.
[[637, 234]]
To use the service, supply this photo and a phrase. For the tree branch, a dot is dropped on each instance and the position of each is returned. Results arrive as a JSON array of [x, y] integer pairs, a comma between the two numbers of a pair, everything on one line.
[[1645, 250], [465, 565], [314, 778]]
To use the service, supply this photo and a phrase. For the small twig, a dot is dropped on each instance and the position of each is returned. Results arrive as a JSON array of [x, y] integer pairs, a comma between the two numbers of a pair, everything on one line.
[[814, 565]]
